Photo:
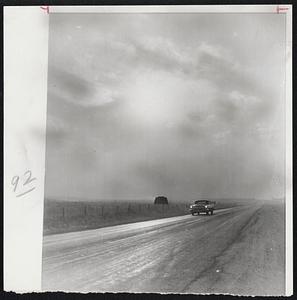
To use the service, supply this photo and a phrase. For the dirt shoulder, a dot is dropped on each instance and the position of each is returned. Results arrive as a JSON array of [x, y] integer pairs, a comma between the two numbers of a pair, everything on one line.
[[254, 264]]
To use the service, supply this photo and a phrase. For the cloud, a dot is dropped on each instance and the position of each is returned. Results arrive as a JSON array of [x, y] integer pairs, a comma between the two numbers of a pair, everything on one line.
[[207, 62], [77, 90], [143, 108], [55, 128], [161, 53], [103, 78]]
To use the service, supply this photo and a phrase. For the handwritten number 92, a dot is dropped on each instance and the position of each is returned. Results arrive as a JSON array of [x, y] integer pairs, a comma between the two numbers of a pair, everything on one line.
[[15, 182]]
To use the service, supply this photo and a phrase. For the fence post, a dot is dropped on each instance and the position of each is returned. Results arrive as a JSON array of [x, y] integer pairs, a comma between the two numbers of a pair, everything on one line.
[[102, 210], [63, 213]]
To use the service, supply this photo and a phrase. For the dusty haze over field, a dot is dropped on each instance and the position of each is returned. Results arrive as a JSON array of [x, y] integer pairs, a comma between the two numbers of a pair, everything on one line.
[[181, 105]]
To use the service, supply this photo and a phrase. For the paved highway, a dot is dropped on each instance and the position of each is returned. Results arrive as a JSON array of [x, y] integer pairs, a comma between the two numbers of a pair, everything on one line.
[[238, 250]]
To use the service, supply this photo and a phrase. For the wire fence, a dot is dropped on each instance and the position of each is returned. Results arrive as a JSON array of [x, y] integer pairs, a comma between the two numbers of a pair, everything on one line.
[[70, 210]]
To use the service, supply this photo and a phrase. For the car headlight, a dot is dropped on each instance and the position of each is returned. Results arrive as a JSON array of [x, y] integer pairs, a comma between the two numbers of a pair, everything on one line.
[[206, 206]]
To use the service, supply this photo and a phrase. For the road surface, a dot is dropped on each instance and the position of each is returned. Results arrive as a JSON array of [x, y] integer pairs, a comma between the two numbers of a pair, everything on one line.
[[238, 251]]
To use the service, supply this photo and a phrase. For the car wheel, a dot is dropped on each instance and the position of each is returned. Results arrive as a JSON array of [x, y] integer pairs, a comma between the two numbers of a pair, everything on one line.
[[192, 214], [212, 212], [198, 213]]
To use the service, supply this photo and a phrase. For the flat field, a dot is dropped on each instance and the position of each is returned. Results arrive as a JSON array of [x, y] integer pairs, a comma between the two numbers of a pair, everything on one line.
[[67, 216]]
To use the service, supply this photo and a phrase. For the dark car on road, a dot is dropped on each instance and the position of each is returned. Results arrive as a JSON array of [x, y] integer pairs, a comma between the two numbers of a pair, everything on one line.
[[204, 206]]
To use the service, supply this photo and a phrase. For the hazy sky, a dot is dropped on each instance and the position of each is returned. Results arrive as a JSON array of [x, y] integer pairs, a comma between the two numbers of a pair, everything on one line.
[[181, 105]]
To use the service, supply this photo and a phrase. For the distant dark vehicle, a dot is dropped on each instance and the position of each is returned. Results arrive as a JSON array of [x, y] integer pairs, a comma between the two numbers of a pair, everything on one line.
[[204, 206], [161, 200]]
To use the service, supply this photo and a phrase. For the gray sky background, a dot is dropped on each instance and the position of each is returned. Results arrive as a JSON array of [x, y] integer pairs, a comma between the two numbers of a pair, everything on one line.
[[182, 105]]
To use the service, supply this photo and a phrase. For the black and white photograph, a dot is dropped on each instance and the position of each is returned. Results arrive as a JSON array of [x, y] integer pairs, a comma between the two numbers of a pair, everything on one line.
[[165, 152]]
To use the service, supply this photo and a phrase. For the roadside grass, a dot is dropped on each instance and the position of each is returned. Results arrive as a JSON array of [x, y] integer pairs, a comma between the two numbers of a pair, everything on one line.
[[67, 216]]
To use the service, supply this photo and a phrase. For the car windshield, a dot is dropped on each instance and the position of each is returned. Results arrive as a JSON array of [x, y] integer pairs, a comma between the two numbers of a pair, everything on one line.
[[201, 202]]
